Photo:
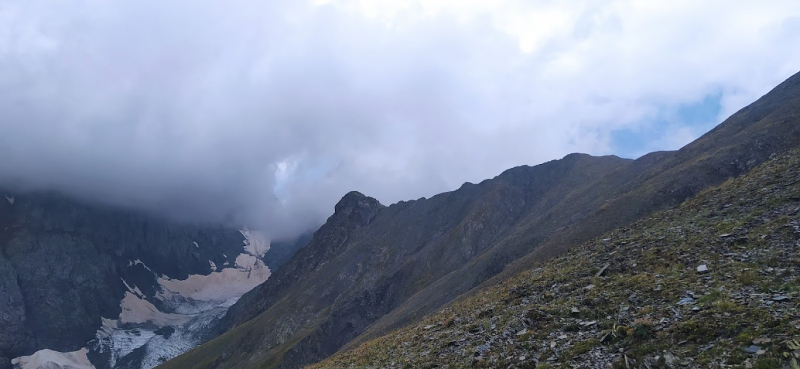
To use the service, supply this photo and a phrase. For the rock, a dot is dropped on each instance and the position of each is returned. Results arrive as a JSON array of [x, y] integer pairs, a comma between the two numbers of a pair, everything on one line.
[[482, 349], [602, 270], [428, 327], [780, 298], [762, 340], [575, 310], [686, 301], [523, 331], [670, 359], [753, 349], [702, 268]]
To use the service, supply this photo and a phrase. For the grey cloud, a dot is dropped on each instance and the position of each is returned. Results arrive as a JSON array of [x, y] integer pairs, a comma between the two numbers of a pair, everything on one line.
[[190, 108]]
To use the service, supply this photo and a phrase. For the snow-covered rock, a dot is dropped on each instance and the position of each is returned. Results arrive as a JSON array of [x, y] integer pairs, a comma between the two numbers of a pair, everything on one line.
[[150, 331], [255, 243], [49, 359]]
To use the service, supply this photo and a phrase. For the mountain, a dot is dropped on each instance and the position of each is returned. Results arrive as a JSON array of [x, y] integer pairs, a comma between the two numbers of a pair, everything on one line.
[[280, 251], [712, 282], [99, 285], [371, 269]]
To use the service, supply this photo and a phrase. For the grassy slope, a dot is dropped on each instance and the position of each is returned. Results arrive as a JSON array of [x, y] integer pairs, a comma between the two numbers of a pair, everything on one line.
[[631, 312], [654, 182]]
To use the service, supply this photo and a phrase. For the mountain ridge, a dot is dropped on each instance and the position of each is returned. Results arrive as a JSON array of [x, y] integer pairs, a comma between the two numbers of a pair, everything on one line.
[[711, 282], [482, 234]]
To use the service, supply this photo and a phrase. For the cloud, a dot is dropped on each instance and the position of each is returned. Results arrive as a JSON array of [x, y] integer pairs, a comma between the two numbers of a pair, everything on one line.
[[266, 113]]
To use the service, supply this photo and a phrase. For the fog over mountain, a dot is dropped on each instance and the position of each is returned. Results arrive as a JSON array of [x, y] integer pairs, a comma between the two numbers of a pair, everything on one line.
[[266, 113]]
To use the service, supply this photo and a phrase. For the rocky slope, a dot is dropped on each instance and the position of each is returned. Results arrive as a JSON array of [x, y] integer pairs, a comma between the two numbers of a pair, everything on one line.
[[74, 276], [711, 283], [372, 269]]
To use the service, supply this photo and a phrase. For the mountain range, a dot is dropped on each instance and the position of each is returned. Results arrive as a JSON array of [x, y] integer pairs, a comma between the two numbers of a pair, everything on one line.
[[100, 286], [371, 269]]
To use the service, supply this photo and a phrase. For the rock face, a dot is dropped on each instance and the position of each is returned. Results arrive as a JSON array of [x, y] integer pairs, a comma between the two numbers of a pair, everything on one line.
[[64, 265], [371, 269]]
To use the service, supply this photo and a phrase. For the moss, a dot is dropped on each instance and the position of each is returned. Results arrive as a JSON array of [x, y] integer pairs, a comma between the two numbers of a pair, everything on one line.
[[767, 363], [642, 329], [748, 278], [696, 330], [709, 298], [581, 348]]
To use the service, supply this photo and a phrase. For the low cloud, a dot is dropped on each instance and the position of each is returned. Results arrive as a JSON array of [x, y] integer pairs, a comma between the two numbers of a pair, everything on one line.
[[266, 113]]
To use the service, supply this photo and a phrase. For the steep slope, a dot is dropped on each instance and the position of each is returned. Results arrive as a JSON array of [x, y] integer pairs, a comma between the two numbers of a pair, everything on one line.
[[656, 181], [64, 266], [367, 259], [416, 256], [710, 283]]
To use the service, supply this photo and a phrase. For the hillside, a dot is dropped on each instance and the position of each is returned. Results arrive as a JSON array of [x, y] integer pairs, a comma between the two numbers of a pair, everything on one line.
[[656, 181], [371, 269], [712, 282]]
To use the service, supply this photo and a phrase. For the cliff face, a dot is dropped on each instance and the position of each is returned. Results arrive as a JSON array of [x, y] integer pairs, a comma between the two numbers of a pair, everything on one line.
[[64, 265]]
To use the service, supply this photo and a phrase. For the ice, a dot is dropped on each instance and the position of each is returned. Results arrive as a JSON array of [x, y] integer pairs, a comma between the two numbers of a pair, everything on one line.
[[189, 307], [54, 360], [255, 243]]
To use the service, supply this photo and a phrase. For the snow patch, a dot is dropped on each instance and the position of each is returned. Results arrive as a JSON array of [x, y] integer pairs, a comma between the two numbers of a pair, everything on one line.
[[255, 243], [121, 342], [137, 310], [137, 261], [49, 359], [135, 290], [195, 244], [10, 199], [220, 285], [193, 305]]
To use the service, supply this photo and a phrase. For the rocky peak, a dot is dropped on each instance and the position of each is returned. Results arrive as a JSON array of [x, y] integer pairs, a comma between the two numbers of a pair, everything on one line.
[[356, 207]]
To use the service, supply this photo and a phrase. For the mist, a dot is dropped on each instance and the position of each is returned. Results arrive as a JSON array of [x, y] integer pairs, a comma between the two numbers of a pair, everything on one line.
[[265, 113]]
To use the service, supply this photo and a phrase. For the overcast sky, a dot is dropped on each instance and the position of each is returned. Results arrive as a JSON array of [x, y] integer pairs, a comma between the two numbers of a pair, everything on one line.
[[267, 112]]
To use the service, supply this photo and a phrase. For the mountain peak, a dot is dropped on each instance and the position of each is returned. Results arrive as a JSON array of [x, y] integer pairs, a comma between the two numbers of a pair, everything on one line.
[[358, 206]]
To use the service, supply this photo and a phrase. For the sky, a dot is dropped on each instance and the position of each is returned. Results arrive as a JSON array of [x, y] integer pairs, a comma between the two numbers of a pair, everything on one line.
[[265, 113]]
